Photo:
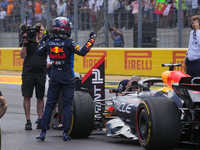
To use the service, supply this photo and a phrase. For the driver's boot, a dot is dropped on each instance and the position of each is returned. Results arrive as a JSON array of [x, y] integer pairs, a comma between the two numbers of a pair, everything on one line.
[[66, 137], [41, 136]]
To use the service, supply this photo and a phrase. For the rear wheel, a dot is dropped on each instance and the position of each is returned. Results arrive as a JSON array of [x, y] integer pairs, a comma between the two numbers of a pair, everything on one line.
[[83, 115], [158, 123]]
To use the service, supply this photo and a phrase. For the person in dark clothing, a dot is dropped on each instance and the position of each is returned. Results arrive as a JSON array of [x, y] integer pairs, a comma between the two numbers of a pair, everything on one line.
[[33, 75], [61, 49], [126, 85]]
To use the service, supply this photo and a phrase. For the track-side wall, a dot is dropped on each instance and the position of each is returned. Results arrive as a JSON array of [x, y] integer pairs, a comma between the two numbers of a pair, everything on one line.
[[118, 61]]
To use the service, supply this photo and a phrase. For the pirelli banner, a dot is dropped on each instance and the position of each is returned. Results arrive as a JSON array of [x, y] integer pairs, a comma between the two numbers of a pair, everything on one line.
[[118, 61], [10, 59], [132, 61]]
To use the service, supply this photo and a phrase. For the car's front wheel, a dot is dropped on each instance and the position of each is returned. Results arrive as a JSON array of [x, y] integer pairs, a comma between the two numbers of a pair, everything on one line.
[[83, 115]]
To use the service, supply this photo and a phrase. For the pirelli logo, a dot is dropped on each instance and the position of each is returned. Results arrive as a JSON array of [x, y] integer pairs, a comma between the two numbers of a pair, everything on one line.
[[179, 58], [138, 60], [17, 61], [92, 58]]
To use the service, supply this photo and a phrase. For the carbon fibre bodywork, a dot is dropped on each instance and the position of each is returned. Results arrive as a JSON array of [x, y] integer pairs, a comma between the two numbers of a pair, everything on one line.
[[126, 106], [178, 87]]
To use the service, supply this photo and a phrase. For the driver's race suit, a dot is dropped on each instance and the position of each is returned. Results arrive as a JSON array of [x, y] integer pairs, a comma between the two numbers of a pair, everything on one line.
[[61, 54]]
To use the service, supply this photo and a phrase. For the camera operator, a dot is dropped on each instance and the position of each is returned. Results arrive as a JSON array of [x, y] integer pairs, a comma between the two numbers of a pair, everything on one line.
[[117, 36], [61, 49], [129, 85], [33, 73], [192, 60]]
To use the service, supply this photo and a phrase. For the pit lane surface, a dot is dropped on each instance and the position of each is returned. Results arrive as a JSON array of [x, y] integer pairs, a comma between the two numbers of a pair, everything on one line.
[[14, 137]]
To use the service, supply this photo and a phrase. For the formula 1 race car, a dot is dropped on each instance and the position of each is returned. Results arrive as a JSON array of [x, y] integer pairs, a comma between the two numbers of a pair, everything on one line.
[[159, 119]]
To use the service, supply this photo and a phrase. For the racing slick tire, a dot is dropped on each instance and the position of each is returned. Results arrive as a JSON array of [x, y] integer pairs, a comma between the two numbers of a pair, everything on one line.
[[158, 123], [83, 115]]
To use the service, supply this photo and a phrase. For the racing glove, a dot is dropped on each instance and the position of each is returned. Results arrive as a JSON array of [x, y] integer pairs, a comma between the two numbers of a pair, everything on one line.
[[46, 35], [91, 40], [92, 35]]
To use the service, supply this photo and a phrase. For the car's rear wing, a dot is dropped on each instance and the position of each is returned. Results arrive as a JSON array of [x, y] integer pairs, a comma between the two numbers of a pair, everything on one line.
[[181, 89], [171, 66], [192, 83]]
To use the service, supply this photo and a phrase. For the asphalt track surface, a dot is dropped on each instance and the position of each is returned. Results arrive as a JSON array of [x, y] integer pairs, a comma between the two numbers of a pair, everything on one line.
[[14, 137]]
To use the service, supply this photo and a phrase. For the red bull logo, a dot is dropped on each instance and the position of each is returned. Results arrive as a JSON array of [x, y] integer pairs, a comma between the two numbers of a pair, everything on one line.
[[57, 56], [88, 45], [56, 50]]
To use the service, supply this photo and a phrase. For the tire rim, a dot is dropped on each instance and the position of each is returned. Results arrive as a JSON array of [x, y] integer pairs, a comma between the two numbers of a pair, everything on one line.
[[142, 124]]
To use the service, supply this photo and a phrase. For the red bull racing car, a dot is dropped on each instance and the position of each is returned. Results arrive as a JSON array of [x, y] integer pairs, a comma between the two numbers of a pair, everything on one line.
[[158, 119]]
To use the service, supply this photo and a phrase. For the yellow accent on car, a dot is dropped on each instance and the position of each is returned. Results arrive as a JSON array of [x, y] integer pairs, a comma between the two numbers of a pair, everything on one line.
[[72, 124], [145, 106]]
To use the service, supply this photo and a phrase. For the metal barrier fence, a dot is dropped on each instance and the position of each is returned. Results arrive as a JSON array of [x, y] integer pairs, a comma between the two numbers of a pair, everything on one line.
[[166, 27]]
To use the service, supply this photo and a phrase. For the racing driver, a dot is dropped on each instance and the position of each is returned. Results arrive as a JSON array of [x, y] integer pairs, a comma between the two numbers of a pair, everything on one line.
[[61, 48]]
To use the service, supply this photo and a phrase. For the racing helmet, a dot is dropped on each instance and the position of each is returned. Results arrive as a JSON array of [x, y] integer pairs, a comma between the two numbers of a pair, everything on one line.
[[62, 25]]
